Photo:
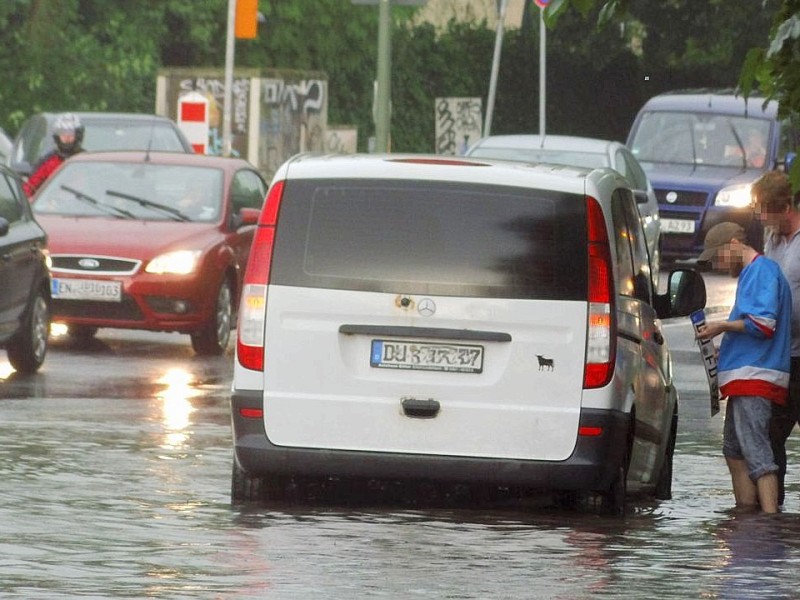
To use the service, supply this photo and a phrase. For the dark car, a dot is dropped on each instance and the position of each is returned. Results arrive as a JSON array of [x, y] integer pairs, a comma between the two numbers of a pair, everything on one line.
[[24, 279], [150, 240], [702, 150], [103, 131]]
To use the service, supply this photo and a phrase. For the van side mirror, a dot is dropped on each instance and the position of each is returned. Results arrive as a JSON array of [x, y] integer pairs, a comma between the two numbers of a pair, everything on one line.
[[788, 161], [686, 293], [641, 196]]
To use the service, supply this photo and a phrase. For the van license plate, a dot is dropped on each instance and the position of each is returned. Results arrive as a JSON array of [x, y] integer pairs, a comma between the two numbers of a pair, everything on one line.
[[86, 289], [677, 226], [423, 356]]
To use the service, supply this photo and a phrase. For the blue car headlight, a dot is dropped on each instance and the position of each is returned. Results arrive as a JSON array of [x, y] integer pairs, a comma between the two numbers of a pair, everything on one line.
[[734, 196]]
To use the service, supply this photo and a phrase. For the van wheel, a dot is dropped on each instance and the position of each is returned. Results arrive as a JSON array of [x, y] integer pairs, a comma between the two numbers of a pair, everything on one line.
[[27, 350], [213, 339], [612, 501], [663, 489]]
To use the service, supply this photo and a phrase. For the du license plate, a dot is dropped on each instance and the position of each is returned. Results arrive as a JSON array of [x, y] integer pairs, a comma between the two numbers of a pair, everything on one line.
[[86, 289], [424, 356]]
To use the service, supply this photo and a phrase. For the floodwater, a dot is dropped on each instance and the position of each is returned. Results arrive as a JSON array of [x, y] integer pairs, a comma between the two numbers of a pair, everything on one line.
[[115, 468]]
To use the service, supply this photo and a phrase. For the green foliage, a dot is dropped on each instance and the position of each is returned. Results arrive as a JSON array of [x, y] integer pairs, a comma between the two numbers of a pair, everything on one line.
[[105, 54]]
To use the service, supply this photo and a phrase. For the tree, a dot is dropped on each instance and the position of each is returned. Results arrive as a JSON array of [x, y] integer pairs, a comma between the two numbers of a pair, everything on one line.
[[771, 67]]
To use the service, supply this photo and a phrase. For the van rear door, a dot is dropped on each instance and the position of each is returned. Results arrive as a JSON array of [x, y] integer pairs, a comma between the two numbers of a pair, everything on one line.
[[421, 317]]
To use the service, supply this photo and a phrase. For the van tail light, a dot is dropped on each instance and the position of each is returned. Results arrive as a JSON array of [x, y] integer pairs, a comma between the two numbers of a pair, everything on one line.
[[600, 339], [253, 304]]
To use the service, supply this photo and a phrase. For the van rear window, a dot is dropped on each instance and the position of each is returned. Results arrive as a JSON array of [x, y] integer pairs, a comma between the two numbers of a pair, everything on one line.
[[431, 238]]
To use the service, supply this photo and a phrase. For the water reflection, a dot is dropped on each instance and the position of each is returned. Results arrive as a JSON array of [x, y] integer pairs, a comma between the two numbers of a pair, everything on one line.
[[175, 405], [755, 549]]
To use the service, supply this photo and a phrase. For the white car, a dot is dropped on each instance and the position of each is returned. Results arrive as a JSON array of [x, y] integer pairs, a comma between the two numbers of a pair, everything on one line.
[[583, 152], [459, 320]]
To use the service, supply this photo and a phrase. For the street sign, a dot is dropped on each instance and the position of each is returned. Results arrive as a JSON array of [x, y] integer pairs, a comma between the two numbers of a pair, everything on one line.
[[542, 3], [193, 119]]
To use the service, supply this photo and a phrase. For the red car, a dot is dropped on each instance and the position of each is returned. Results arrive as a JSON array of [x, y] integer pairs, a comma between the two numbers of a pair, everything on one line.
[[154, 241]]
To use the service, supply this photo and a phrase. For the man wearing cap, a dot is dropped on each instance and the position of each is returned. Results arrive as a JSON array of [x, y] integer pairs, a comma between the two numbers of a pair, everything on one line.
[[753, 366], [776, 208]]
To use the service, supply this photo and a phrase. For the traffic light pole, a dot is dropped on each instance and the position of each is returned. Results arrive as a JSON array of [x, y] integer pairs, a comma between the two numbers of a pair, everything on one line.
[[384, 93], [230, 39]]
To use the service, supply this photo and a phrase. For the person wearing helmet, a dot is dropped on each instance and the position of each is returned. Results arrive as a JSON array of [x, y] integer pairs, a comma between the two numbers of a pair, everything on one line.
[[68, 135]]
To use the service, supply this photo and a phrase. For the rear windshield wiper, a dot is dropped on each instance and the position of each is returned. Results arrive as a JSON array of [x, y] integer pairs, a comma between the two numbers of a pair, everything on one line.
[[173, 212], [111, 210]]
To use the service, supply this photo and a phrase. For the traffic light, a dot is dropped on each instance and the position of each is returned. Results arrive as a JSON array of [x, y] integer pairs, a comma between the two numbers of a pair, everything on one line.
[[246, 19]]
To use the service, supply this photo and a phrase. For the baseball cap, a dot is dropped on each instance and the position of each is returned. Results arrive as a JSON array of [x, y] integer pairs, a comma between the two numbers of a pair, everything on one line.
[[719, 235]]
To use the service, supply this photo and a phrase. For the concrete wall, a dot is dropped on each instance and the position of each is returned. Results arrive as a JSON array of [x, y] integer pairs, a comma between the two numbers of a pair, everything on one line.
[[276, 113]]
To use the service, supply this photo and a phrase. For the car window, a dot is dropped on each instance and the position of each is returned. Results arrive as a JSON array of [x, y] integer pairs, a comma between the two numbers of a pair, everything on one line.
[[701, 138], [633, 170], [31, 142], [149, 192], [789, 139], [10, 207], [634, 269], [155, 136], [248, 190], [591, 160], [432, 238]]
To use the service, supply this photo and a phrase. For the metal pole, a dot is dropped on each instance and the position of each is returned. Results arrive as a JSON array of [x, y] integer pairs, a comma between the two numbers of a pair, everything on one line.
[[384, 94], [228, 101], [498, 45], [542, 70]]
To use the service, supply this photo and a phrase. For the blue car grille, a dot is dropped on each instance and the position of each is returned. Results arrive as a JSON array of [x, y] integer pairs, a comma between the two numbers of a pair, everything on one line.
[[684, 198]]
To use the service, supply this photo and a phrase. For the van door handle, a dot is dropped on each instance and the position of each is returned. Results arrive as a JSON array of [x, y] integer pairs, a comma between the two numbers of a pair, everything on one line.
[[420, 409], [658, 338]]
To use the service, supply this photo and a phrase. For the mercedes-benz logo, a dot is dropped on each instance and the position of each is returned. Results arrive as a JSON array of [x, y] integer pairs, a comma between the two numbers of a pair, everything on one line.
[[671, 197], [426, 307], [89, 263]]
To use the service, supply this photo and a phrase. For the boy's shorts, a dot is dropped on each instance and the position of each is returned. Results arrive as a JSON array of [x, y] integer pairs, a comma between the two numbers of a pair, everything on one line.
[[746, 434]]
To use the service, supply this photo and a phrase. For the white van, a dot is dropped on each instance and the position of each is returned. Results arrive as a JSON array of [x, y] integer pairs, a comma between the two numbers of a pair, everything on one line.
[[409, 317]]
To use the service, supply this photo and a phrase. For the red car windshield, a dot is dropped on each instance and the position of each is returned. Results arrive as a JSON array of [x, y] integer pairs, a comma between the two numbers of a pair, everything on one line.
[[149, 192]]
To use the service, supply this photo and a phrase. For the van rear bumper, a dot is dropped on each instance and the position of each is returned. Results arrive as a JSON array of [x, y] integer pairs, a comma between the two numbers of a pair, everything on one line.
[[593, 464]]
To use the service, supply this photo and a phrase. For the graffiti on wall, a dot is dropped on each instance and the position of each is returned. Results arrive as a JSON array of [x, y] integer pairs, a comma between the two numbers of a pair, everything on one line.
[[341, 140], [458, 124], [294, 119], [214, 89]]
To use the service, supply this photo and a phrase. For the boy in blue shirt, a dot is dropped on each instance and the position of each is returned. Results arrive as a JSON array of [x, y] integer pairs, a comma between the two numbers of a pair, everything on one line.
[[753, 366]]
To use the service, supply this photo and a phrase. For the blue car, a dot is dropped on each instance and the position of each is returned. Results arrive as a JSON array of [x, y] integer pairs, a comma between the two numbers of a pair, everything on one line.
[[702, 150]]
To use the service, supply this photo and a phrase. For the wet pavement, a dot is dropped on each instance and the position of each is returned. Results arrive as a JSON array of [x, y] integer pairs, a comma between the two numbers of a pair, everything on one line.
[[115, 468]]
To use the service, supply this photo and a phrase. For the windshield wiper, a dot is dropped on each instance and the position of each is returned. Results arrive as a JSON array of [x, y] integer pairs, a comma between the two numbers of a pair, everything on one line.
[[173, 212], [739, 143], [110, 210]]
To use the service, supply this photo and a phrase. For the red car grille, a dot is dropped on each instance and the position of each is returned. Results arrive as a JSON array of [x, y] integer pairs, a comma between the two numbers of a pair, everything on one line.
[[127, 310]]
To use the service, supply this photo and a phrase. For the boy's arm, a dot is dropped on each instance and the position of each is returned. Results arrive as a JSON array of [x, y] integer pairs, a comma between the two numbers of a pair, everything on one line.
[[759, 302], [713, 329]]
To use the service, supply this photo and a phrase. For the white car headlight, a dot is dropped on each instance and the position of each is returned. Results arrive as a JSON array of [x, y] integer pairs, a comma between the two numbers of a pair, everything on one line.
[[734, 196], [180, 262]]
